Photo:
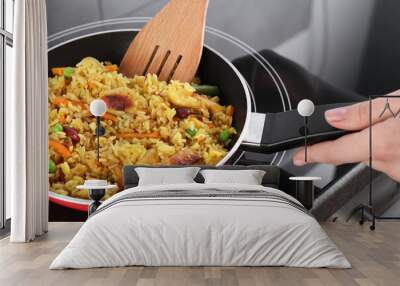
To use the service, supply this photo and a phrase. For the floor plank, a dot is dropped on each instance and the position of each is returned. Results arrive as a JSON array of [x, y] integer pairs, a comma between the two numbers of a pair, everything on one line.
[[375, 257]]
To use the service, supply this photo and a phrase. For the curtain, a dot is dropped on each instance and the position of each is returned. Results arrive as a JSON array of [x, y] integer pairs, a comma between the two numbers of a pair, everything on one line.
[[26, 124]]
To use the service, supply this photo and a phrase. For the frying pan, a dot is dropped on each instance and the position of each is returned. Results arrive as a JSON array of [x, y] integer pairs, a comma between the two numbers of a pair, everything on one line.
[[257, 132]]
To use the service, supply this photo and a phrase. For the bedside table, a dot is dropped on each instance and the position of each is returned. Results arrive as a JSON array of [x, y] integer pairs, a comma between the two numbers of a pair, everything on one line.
[[305, 190], [97, 190]]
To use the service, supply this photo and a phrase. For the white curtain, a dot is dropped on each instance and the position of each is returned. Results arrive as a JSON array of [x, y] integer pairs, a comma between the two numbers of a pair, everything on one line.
[[26, 124]]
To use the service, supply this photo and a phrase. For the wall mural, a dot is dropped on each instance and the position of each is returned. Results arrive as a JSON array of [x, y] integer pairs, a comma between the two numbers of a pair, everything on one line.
[[150, 122]]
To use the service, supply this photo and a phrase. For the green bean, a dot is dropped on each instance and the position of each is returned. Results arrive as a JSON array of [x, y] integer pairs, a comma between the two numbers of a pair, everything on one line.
[[210, 90]]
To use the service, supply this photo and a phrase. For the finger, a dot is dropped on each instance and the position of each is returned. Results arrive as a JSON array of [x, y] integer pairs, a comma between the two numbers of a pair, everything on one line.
[[350, 148], [356, 116]]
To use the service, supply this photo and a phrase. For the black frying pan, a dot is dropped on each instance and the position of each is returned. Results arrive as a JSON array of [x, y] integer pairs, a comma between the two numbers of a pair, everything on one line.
[[259, 132]]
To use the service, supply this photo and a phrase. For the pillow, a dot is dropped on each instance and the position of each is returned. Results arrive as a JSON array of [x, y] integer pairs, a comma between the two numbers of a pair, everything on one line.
[[163, 176], [248, 177]]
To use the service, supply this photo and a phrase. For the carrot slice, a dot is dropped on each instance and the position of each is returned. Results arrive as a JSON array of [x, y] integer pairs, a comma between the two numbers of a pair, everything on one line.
[[60, 148], [111, 68], [62, 118], [59, 101], [109, 116], [57, 71], [80, 103], [128, 135]]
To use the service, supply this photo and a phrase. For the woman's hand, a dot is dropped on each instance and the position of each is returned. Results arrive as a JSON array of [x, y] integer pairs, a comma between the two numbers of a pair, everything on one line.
[[354, 147]]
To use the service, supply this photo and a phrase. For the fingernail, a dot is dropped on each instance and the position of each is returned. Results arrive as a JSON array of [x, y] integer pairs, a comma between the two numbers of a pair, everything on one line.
[[336, 114], [299, 162]]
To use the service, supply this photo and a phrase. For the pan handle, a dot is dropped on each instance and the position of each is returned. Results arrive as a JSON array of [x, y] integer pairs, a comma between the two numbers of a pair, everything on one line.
[[273, 132]]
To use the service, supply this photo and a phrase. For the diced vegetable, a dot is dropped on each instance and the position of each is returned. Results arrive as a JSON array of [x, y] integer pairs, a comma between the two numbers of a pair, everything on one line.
[[210, 90], [185, 157], [60, 149], [128, 135], [56, 128], [224, 136], [60, 101], [57, 71], [183, 112], [62, 118], [111, 68], [192, 131], [109, 116], [68, 72], [52, 167], [72, 133]]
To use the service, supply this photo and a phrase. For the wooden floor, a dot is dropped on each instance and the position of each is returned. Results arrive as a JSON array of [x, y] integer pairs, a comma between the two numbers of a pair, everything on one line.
[[375, 257]]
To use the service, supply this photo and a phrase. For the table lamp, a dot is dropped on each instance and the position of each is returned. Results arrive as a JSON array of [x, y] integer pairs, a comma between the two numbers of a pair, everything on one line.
[[305, 108], [97, 108]]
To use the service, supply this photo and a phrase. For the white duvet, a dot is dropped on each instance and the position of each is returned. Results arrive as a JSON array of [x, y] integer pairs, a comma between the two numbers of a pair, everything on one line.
[[192, 231]]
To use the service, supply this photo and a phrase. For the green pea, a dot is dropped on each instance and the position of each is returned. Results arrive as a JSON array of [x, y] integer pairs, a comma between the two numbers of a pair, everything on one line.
[[56, 128], [52, 167], [68, 72], [224, 135], [191, 131]]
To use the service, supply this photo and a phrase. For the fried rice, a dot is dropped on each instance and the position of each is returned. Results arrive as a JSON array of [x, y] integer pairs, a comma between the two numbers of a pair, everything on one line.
[[148, 122]]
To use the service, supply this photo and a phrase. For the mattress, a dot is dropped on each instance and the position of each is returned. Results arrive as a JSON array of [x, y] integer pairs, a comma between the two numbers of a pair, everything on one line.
[[201, 225]]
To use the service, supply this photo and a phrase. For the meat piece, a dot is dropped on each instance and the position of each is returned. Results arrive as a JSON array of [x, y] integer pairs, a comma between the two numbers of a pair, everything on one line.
[[118, 102], [185, 157], [183, 112]]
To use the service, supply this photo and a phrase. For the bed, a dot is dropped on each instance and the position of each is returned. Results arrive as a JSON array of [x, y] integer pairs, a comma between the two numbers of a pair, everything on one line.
[[201, 224]]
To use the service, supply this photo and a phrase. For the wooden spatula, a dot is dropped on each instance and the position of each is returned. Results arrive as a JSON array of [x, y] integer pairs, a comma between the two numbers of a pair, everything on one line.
[[170, 45]]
